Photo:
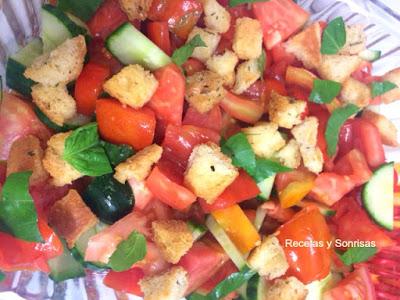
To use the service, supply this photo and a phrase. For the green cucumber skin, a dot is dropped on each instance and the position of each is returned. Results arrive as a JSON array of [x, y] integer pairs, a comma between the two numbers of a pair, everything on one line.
[[16, 80]]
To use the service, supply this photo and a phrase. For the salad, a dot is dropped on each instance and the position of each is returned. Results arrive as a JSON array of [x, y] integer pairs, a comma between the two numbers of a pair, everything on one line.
[[202, 149]]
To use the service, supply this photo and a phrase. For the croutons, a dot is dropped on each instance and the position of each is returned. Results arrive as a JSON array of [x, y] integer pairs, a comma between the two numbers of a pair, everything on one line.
[[204, 90], [338, 67], [392, 95], [54, 102], [216, 17], [61, 172], [290, 156], [387, 129], [313, 159], [247, 73], [26, 155], [285, 111], [173, 238], [170, 285], [247, 40], [268, 259], [210, 38], [224, 65], [306, 132], [355, 40], [139, 165], [60, 66], [355, 92], [287, 288], [71, 217], [133, 86], [209, 172], [306, 46], [264, 138], [136, 9]]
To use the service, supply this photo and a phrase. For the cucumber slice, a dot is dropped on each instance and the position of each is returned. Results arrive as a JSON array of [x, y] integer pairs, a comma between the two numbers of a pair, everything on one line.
[[318, 287], [378, 196], [131, 46], [324, 209], [259, 219], [197, 230], [26, 55], [370, 55], [265, 187], [256, 288]]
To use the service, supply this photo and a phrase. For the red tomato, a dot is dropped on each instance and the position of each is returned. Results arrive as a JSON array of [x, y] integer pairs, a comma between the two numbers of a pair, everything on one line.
[[158, 32], [356, 285], [276, 86], [256, 90], [121, 124], [211, 120], [224, 271], [279, 19], [126, 281], [169, 192], [275, 211], [248, 111], [192, 66], [153, 263], [311, 262], [242, 188], [279, 54], [355, 166], [283, 179], [141, 193], [101, 56], [88, 87], [167, 101], [364, 73]]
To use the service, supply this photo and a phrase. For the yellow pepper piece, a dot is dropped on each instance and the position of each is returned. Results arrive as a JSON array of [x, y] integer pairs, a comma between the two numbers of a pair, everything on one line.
[[295, 192], [238, 227]]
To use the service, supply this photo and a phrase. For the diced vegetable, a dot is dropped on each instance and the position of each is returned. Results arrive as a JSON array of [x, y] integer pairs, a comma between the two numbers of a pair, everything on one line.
[[300, 77], [265, 187], [197, 230], [248, 111], [295, 192], [82, 9], [370, 55]]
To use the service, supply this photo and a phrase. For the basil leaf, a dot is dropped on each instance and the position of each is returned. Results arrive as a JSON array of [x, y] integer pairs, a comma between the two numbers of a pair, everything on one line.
[[81, 139], [182, 54], [82, 9], [2, 276], [17, 210], [239, 149], [324, 91], [117, 153], [196, 296], [261, 61], [266, 168], [233, 3], [128, 252], [334, 36], [357, 254], [380, 88], [335, 122]]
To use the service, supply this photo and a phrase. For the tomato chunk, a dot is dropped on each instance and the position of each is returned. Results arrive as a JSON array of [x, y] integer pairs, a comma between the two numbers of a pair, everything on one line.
[[211, 119], [245, 110], [355, 166], [126, 281], [158, 32]]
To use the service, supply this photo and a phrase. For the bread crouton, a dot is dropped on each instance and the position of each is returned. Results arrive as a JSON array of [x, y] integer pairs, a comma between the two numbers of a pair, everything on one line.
[[173, 238], [269, 259], [285, 111], [290, 156], [170, 285], [216, 17], [54, 102], [338, 67], [210, 38], [26, 154], [60, 66], [247, 73], [264, 138], [313, 159], [138, 166], [247, 40], [135, 9], [306, 132], [209, 172], [133, 86], [392, 95], [224, 65], [355, 92], [355, 40], [71, 217], [387, 129], [306, 46], [287, 288], [61, 172], [204, 90]]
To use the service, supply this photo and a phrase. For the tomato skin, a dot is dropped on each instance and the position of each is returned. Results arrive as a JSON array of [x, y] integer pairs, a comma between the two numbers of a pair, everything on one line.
[[158, 32], [124, 125], [126, 281], [224, 271], [279, 54], [245, 110], [141, 193], [355, 166], [211, 120], [192, 66]]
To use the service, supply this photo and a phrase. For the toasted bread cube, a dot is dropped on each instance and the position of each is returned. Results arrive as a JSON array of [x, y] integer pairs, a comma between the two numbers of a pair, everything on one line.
[[61, 172], [306, 132], [312, 158], [54, 102], [209, 172], [287, 288], [355, 40], [387, 129], [173, 238], [392, 95], [71, 217], [247, 73], [171, 285], [338, 67], [285, 111], [306, 46], [26, 154], [136, 9], [204, 90], [139, 165], [133, 86], [210, 38], [355, 92], [290, 156], [60, 66], [216, 17], [247, 41], [264, 138], [224, 65]]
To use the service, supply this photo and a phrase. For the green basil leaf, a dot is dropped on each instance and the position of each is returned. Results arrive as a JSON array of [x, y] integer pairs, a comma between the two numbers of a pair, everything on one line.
[[334, 36], [17, 210], [380, 88], [129, 251], [266, 168], [82, 9], [196, 296], [233, 3], [117, 153], [335, 122], [2, 276], [182, 54], [324, 91], [239, 149], [261, 61], [357, 254]]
